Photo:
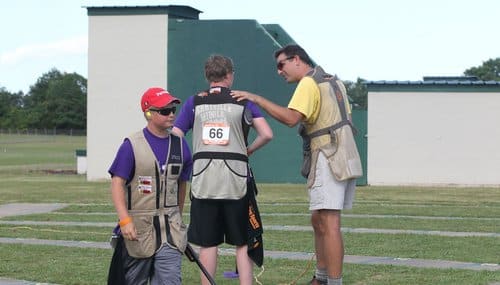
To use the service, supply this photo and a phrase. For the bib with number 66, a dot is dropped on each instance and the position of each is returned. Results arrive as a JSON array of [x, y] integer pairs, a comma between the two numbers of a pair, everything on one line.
[[216, 133]]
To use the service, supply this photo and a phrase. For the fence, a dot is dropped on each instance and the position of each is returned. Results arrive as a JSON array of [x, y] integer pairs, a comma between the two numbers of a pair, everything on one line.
[[48, 132]]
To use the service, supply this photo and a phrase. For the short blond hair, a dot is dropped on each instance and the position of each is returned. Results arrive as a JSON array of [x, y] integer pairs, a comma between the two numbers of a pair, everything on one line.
[[217, 67]]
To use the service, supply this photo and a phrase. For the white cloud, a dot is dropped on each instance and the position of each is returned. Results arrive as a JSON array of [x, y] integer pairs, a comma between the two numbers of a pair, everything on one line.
[[72, 46]]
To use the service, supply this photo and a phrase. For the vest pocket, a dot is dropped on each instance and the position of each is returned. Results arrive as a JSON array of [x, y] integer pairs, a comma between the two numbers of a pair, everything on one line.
[[345, 162], [219, 179], [178, 230], [145, 245], [171, 191]]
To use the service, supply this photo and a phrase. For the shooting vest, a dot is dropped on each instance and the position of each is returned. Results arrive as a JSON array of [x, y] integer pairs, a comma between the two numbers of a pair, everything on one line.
[[152, 198], [220, 161], [331, 133]]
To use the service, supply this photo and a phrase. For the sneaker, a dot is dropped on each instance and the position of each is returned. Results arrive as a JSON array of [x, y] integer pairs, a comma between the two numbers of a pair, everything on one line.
[[315, 281]]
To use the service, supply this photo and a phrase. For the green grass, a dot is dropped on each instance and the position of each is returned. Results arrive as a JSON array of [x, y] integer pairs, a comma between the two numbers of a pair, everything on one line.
[[396, 222], [467, 249], [30, 169], [38, 153], [89, 266], [76, 233]]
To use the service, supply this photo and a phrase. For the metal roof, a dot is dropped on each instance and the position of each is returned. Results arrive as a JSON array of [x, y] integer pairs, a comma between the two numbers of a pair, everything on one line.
[[435, 82], [174, 11]]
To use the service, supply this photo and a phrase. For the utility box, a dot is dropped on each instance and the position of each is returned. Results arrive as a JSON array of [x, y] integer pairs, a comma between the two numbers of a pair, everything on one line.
[[81, 161]]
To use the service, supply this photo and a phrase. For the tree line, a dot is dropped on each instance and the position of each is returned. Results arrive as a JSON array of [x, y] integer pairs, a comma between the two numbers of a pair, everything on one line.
[[59, 100], [56, 101]]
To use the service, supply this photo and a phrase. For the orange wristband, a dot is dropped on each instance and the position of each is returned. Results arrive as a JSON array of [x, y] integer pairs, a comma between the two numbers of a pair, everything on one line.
[[125, 221]]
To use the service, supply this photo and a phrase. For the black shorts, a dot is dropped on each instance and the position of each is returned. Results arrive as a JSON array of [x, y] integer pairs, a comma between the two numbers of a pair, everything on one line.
[[216, 221]]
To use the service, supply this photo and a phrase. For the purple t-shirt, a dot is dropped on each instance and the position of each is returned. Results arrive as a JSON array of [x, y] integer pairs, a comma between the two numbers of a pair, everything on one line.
[[185, 119], [124, 163]]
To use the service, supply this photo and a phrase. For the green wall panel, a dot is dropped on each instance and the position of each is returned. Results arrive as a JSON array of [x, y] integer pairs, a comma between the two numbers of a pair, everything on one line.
[[251, 47], [360, 121]]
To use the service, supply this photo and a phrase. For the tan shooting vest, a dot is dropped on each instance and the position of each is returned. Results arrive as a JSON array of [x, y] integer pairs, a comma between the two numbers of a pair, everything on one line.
[[331, 133], [220, 161], [152, 199]]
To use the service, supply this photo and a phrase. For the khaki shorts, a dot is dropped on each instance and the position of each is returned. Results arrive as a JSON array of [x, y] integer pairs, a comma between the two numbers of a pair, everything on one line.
[[327, 192]]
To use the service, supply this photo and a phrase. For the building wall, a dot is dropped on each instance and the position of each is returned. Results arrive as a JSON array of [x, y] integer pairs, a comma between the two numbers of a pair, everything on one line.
[[432, 138], [127, 54]]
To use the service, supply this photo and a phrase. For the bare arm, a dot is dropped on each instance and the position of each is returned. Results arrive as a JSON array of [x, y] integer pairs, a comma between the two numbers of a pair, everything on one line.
[[182, 194], [118, 197], [282, 114], [264, 135]]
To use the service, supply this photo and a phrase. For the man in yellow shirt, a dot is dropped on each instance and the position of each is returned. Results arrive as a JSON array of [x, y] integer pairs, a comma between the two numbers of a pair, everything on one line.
[[316, 108]]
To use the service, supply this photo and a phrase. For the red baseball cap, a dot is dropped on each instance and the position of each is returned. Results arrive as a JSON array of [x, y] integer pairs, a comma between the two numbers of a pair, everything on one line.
[[157, 97]]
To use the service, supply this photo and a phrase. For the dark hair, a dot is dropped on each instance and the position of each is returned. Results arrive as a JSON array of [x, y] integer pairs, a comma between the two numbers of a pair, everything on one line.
[[293, 50], [217, 67]]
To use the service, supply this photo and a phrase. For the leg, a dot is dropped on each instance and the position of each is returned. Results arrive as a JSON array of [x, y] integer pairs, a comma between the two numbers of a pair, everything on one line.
[[328, 197], [167, 267], [330, 237], [321, 274], [208, 257], [245, 265], [206, 229], [236, 215]]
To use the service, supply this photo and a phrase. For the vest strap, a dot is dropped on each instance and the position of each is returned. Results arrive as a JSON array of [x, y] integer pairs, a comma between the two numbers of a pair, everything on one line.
[[329, 130], [320, 76], [220, 155], [342, 108], [175, 150]]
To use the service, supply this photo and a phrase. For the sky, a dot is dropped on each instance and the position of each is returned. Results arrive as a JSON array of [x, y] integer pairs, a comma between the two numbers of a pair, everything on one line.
[[372, 40]]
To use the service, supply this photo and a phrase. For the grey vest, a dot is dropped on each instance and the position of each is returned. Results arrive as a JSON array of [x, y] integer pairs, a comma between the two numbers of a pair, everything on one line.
[[152, 198], [220, 162]]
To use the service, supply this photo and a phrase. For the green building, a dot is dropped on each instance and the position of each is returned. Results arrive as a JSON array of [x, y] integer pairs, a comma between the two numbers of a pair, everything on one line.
[[166, 46]]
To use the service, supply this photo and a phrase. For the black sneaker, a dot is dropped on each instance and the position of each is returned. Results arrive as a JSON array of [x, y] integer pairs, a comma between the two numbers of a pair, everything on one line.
[[315, 281]]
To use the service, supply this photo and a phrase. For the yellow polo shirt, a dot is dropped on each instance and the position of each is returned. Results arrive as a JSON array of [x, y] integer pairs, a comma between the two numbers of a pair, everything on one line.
[[306, 99]]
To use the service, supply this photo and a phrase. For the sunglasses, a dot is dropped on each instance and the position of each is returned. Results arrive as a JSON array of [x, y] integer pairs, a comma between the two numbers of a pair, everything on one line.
[[281, 63], [165, 111]]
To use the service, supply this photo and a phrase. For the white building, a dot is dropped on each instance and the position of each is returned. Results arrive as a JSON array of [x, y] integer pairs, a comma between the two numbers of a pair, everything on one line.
[[440, 131]]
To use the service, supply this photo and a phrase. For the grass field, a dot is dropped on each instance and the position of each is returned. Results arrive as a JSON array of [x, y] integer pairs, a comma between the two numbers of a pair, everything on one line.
[[37, 169]]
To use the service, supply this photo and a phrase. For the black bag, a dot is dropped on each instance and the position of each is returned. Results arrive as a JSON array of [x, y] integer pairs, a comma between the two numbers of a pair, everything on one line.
[[306, 152], [255, 243], [116, 275]]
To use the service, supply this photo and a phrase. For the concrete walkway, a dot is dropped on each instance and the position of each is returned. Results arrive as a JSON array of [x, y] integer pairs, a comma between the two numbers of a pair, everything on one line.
[[274, 228], [26, 208], [6, 281], [355, 259], [19, 209]]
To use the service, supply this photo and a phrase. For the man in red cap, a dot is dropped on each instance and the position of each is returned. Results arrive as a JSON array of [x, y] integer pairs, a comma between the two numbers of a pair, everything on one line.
[[148, 188]]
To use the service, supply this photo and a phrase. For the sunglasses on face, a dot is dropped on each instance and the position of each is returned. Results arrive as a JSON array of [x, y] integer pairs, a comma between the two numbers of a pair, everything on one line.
[[165, 111], [282, 62]]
